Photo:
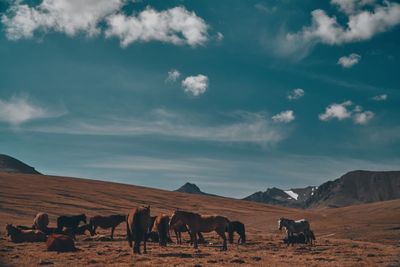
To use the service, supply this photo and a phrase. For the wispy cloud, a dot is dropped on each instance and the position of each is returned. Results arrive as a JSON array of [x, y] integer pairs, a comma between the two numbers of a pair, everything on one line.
[[349, 61], [380, 97], [173, 75], [20, 109], [243, 127], [284, 116], [295, 94]]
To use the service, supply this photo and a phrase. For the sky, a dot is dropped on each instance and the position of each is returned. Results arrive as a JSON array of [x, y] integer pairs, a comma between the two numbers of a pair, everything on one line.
[[235, 96]]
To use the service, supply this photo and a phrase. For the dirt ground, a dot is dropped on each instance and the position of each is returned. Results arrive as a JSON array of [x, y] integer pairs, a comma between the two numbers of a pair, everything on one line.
[[363, 235]]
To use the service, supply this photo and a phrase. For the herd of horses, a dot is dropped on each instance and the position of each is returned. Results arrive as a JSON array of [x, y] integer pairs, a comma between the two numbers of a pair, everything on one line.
[[142, 227]]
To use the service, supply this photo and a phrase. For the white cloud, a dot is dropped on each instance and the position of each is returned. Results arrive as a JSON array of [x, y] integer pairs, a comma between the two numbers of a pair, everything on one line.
[[295, 94], [176, 26], [380, 97], [220, 36], [19, 109], [362, 24], [238, 127], [342, 111], [173, 75], [338, 111], [69, 17], [363, 117], [195, 85], [349, 61], [284, 116]]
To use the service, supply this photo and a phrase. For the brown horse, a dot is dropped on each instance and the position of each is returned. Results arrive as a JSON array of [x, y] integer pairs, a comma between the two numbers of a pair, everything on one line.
[[200, 223], [60, 243], [106, 222], [18, 236], [238, 227], [41, 221], [137, 226], [161, 226], [180, 228]]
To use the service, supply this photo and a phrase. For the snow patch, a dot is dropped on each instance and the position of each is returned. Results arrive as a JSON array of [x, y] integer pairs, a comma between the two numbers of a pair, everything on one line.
[[292, 194]]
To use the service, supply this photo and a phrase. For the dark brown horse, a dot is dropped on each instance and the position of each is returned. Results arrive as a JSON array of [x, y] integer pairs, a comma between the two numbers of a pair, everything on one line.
[[238, 227], [106, 222], [70, 221], [161, 226], [180, 228], [200, 223], [137, 226]]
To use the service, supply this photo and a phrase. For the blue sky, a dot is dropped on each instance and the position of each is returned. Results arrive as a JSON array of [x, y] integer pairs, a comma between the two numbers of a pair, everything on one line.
[[236, 96]]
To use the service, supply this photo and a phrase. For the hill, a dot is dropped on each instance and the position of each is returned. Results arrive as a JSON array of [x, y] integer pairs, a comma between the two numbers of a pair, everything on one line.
[[345, 236], [190, 189], [12, 165]]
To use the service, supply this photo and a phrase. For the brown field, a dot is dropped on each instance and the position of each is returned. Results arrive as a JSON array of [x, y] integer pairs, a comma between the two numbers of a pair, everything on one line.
[[363, 235]]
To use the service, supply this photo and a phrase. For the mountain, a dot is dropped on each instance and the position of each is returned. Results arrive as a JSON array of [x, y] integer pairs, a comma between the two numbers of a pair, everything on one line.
[[357, 187], [12, 165], [295, 197], [190, 189]]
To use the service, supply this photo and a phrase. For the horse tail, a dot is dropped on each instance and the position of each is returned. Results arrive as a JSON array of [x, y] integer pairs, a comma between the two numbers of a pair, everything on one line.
[[229, 229], [244, 235], [59, 223], [138, 231], [128, 232], [163, 232]]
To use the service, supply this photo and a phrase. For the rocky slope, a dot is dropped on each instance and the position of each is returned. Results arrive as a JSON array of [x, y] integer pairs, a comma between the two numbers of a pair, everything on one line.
[[12, 165]]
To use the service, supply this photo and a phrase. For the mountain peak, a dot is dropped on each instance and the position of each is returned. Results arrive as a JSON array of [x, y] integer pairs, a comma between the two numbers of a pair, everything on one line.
[[12, 165], [190, 189]]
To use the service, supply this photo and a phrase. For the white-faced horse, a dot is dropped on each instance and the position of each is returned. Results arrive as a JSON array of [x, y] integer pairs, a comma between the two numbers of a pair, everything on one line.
[[295, 227]]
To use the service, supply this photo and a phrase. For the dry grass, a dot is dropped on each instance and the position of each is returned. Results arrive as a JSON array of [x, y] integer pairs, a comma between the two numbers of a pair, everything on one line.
[[352, 236]]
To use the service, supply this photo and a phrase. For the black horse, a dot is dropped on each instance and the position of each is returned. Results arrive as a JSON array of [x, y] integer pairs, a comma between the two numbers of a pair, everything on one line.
[[238, 227], [71, 222]]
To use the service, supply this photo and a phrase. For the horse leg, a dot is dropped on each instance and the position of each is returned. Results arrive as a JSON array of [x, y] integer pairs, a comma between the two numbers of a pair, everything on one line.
[[112, 232], [221, 233], [144, 242], [193, 236]]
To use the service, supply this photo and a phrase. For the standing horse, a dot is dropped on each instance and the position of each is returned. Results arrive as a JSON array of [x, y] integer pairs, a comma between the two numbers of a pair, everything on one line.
[[41, 221], [18, 236], [70, 221], [200, 223], [180, 228], [137, 226], [238, 227], [106, 222], [294, 227], [161, 225]]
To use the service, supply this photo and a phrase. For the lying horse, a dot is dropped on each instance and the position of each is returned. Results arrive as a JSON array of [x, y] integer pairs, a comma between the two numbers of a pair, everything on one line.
[[180, 228], [106, 222], [80, 230], [70, 221], [137, 226], [161, 226], [238, 227], [199, 223], [60, 243], [41, 221], [294, 227], [18, 236]]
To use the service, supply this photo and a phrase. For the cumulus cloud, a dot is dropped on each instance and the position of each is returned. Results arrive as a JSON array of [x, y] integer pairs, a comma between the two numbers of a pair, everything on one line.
[[173, 75], [69, 17], [338, 111], [295, 94], [284, 116], [363, 23], [363, 117], [195, 85], [380, 97], [343, 111], [349, 61], [19, 109], [176, 26]]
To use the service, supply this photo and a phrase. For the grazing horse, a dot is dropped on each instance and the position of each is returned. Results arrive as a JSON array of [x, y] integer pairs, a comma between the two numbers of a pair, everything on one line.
[[238, 227], [137, 227], [294, 227], [41, 221], [310, 236], [70, 221], [18, 236], [295, 239], [161, 226], [180, 228], [106, 222], [200, 223]]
